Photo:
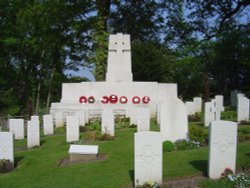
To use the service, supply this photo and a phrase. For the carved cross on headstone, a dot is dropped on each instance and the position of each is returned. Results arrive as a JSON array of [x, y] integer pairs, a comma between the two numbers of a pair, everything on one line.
[[223, 142], [119, 45], [147, 155]]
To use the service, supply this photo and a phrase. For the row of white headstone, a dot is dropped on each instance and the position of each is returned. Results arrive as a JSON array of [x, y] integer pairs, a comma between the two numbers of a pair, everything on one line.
[[213, 110], [148, 163], [194, 106]]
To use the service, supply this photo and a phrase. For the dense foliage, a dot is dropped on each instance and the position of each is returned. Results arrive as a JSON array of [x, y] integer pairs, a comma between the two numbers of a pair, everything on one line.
[[203, 46]]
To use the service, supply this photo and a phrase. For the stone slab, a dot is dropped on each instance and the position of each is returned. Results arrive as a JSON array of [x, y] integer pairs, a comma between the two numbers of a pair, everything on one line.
[[72, 128], [108, 121], [143, 119], [33, 134]]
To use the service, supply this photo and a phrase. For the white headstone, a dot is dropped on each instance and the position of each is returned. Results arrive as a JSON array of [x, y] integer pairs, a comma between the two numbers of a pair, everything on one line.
[[17, 128], [173, 122], [218, 106], [59, 119], [233, 97], [108, 121], [81, 115], [48, 126], [34, 118], [209, 113], [133, 115], [198, 104], [72, 128], [33, 134], [143, 119], [191, 108], [148, 157], [6, 146], [119, 59], [222, 147], [243, 109]]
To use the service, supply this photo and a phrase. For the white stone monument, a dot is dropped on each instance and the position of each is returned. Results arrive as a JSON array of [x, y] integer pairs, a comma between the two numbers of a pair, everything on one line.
[[72, 128], [108, 121], [48, 127], [174, 121], [148, 157], [75, 96], [119, 59], [222, 147], [33, 134], [243, 109], [143, 119], [6, 146], [16, 126]]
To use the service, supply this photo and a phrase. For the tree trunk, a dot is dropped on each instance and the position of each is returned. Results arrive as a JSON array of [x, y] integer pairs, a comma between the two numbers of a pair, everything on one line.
[[39, 84], [50, 90], [206, 87]]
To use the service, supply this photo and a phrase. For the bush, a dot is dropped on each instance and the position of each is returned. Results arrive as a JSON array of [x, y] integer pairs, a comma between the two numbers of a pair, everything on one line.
[[197, 134], [94, 126], [6, 166], [92, 135], [228, 115], [186, 144], [168, 146]]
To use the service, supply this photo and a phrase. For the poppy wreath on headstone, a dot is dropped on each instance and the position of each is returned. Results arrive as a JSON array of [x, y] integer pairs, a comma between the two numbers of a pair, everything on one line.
[[113, 99], [83, 99], [145, 99], [105, 99], [123, 100], [91, 99], [136, 100]]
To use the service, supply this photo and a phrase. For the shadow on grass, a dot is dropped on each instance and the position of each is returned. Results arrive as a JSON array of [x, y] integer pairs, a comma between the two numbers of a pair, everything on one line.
[[248, 154], [17, 160], [132, 175], [200, 165]]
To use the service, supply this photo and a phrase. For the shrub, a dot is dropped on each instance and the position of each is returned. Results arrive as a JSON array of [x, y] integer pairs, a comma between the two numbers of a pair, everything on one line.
[[228, 115], [6, 166], [186, 144], [94, 126], [168, 146], [196, 134], [92, 135]]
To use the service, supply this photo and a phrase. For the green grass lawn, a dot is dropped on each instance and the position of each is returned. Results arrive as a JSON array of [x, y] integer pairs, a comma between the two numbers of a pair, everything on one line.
[[38, 167]]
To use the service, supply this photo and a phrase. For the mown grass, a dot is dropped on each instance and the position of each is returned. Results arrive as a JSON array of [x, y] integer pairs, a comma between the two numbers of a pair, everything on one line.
[[38, 167]]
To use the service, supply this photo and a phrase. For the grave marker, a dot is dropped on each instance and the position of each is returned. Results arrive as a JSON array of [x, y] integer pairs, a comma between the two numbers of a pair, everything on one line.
[[6, 146], [148, 157], [222, 147]]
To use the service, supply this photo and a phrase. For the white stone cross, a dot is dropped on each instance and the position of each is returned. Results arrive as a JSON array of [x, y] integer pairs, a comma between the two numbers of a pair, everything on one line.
[[118, 44]]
